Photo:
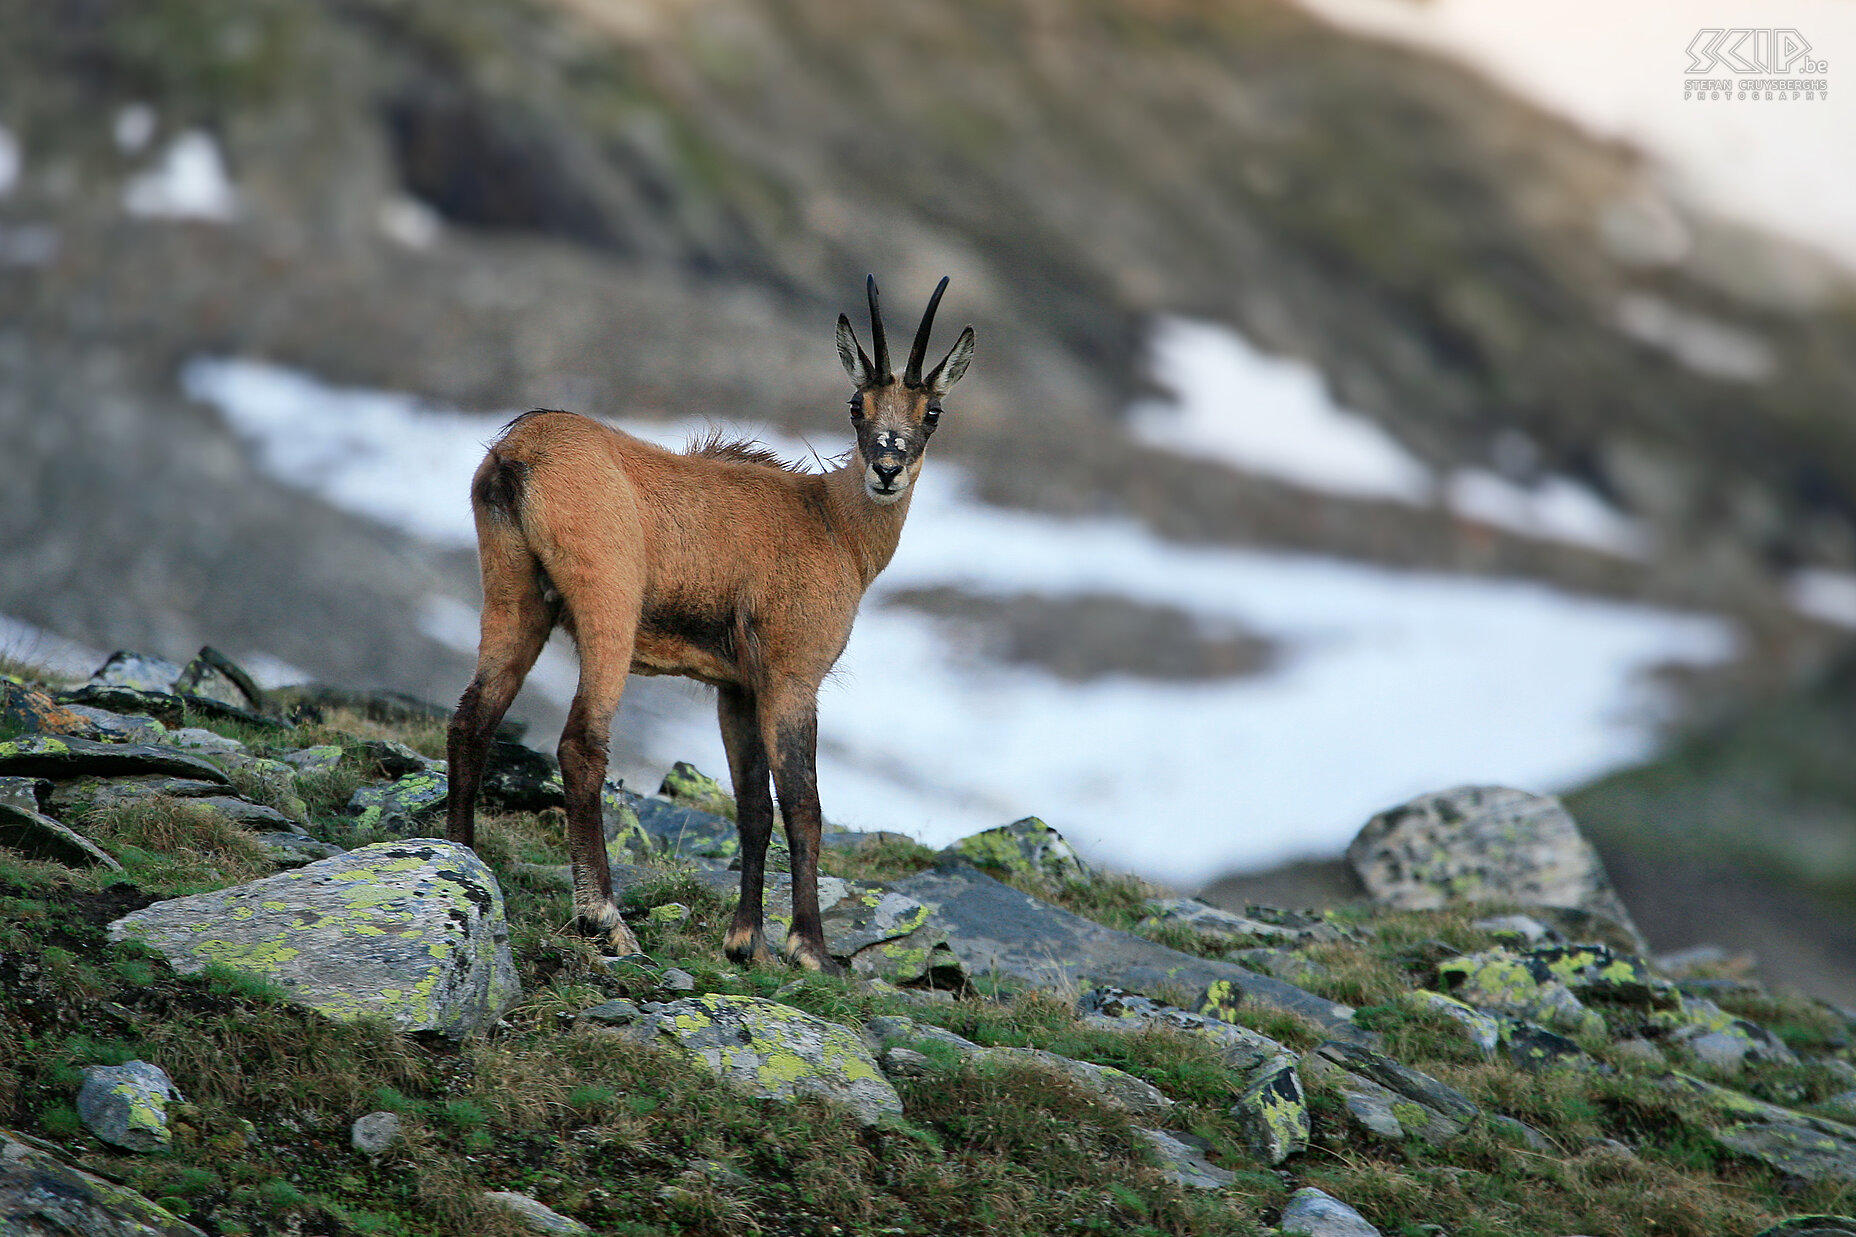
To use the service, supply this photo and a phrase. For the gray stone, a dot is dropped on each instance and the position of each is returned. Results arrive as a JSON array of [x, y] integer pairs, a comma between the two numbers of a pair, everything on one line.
[[1638, 1050], [1243, 1049], [677, 980], [1272, 1113], [211, 675], [891, 1030], [690, 786], [106, 794], [1115, 1088], [127, 1105], [774, 1050], [905, 1063], [295, 849], [374, 1133], [199, 739], [25, 793], [1316, 1213], [535, 1216], [1027, 847], [1375, 1088], [40, 1194], [1484, 1030], [413, 931], [1281, 963], [40, 837], [993, 929], [1522, 1133], [1227, 929], [1484, 844], [1183, 1163], [322, 758], [1514, 984], [61, 756], [140, 671], [109, 727], [1792, 1143], [616, 1013], [248, 815], [1717, 1038], [406, 807], [1523, 928]]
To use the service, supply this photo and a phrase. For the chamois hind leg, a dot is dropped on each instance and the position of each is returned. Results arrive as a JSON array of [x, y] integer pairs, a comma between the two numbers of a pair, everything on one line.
[[605, 642], [789, 728], [515, 626], [747, 768]]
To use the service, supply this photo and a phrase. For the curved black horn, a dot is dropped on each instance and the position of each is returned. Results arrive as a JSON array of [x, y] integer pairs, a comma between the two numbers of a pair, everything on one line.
[[878, 340], [913, 375]]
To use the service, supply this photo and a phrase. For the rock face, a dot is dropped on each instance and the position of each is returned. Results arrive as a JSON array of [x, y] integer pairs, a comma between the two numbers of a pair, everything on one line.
[[1028, 847], [42, 1196], [1391, 1100], [412, 931], [1484, 843], [775, 1051], [1316, 1213], [61, 756], [127, 1105]]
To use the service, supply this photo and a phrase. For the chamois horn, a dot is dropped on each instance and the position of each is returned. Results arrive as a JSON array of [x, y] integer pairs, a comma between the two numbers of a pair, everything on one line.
[[878, 340], [913, 375]]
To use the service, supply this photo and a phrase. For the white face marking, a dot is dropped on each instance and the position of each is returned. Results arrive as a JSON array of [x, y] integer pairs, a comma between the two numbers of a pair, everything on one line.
[[881, 497]]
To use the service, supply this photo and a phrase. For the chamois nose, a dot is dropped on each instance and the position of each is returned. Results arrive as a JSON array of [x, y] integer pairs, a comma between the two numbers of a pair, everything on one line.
[[887, 473]]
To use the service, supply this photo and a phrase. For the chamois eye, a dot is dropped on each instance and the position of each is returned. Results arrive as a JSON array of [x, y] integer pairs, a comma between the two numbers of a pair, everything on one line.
[[933, 415], [857, 406]]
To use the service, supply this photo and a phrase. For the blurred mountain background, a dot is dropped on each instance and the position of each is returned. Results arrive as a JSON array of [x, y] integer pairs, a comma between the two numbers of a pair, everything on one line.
[[656, 208]]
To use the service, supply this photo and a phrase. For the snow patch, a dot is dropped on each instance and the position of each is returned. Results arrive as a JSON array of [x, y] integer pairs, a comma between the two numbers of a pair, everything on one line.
[[188, 182], [133, 128], [1826, 595], [1553, 509], [1267, 415], [409, 222], [1392, 683]]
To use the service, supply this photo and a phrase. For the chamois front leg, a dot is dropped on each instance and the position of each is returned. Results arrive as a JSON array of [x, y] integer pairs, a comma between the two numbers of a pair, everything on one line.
[[746, 942], [789, 727]]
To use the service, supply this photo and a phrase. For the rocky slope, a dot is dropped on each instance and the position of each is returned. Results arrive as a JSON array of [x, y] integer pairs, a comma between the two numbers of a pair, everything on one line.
[[240, 992]]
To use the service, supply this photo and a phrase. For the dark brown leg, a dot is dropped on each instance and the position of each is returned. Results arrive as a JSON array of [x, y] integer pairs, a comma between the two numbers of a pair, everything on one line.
[[516, 623], [789, 727], [747, 767]]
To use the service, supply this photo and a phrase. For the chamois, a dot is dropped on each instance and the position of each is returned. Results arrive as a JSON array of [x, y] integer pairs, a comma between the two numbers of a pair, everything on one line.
[[720, 564]]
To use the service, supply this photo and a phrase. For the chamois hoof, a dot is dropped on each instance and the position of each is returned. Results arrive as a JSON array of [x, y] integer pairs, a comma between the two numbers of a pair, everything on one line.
[[747, 947], [811, 956], [604, 923]]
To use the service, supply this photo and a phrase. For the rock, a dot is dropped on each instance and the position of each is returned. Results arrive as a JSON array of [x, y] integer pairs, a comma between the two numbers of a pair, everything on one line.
[[521, 779], [1115, 1088], [394, 759], [689, 786], [138, 671], [1523, 929], [28, 794], [248, 815], [1793, 1143], [212, 675], [322, 758], [616, 1013], [1639, 1050], [1375, 1088], [1272, 1113], [668, 912], [108, 727], [413, 931], [127, 1105], [1281, 963], [1522, 1133], [26, 709], [1812, 1226], [1226, 929], [374, 1133], [103, 794], [61, 757], [1595, 973], [406, 807], [887, 1031], [626, 839], [295, 849], [198, 739], [996, 930], [854, 840], [1183, 1163], [534, 1216], [1717, 1038], [677, 980], [163, 706], [1535, 1048], [41, 1194], [1484, 1030], [1484, 844], [1513, 984], [905, 1063], [273, 781], [776, 1051], [1243, 1049], [40, 837], [1027, 847], [1316, 1213]]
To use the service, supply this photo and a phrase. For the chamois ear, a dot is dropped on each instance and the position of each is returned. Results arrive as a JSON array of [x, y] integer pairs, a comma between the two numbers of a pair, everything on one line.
[[851, 353], [952, 366]]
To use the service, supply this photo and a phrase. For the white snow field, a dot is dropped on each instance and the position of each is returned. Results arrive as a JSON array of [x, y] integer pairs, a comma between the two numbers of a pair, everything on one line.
[[1392, 683]]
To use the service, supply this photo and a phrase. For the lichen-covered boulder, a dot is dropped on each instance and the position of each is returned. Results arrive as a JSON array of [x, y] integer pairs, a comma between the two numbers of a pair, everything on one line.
[[1797, 1144], [139, 671], [691, 787], [1272, 1112], [1113, 1088], [1027, 847], [1390, 1099], [41, 1194], [1513, 984], [412, 931], [1243, 1049], [26, 708], [407, 806], [1183, 1164], [127, 1105], [64, 756], [774, 1050], [1484, 844], [1715, 1037]]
